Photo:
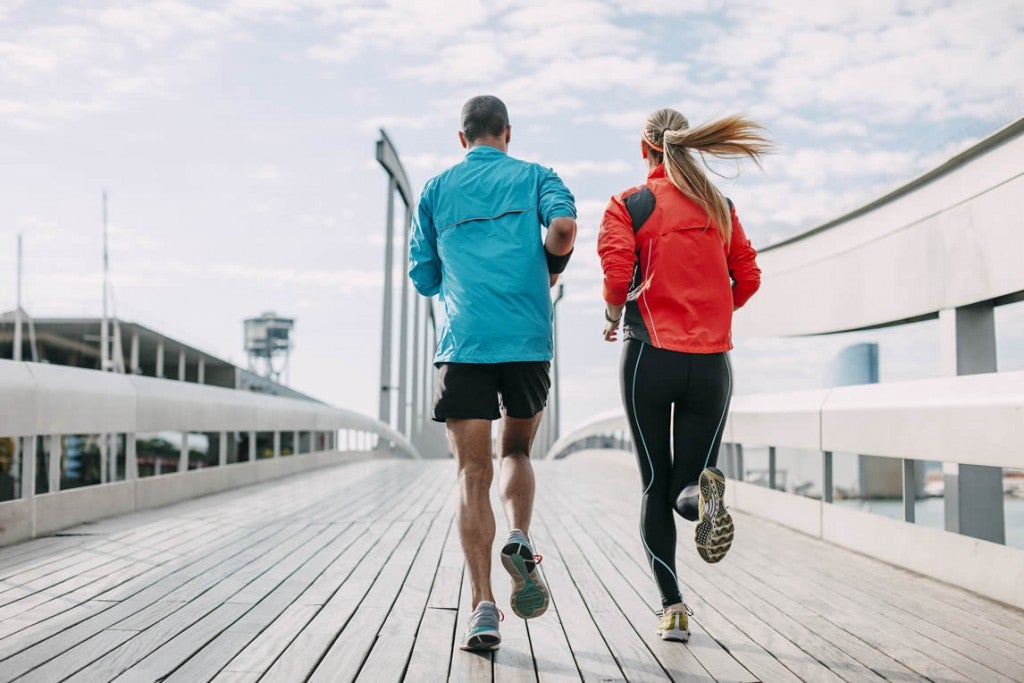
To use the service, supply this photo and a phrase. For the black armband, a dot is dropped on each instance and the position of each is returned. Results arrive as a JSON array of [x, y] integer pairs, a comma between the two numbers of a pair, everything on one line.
[[557, 264]]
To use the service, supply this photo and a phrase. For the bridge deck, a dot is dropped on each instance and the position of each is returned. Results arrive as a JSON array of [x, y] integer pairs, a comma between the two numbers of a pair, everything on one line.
[[355, 572]]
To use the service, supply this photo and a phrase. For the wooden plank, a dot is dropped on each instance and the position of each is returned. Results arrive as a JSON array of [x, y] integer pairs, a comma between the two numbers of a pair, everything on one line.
[[935, 651], [345, 656], [170, 654], [431, 651], [632, 654], [29, 655], [620, 523], [552, 655], [707, 622], [391, 653], [320, 584], [270, 643], [702, 655], [593, 659], [139, 644], [468, 666], [513, 661], [302, 654]]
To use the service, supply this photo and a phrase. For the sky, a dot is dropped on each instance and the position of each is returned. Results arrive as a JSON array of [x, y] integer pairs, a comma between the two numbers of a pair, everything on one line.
[[235, 140]]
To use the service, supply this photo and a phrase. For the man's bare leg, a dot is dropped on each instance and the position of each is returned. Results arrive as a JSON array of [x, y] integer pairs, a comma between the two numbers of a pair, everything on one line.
[[516, 483], [529, 597], [471, 442]]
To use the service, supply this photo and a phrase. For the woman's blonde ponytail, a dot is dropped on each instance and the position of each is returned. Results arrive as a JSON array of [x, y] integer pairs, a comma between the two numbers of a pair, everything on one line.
[[668, 135]]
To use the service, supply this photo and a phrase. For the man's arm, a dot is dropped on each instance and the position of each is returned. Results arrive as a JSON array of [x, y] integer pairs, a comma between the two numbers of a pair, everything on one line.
[[560, 239], [424, 263], [558, 212]]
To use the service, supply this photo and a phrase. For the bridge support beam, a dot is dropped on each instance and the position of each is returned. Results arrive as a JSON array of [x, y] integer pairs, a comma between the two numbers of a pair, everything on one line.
[[973, 493]]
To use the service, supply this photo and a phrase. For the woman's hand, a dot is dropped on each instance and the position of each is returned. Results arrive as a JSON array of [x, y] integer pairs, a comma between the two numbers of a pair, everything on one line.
[[611, 331], [612, 317]]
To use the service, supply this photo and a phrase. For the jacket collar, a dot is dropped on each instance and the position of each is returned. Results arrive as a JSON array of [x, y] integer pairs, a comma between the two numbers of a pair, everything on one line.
[[657, 172], [483, 150]]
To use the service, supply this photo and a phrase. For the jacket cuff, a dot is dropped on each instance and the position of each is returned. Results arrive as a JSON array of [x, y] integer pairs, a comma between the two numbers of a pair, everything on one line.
[[615, 294]]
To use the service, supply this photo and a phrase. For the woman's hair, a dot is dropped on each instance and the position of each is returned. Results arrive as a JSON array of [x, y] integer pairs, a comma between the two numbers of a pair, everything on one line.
[[668, 135]]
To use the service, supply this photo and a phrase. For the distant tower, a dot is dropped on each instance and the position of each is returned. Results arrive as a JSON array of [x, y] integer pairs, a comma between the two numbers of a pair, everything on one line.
[[268, 344]]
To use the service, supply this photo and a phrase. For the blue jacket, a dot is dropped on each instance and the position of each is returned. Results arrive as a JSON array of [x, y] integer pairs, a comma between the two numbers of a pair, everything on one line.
[[477, 243]]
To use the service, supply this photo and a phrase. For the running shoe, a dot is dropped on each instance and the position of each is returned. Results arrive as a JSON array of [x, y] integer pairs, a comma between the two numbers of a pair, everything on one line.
[[529, 594], [675, 626], [714, 528], [482, 633]]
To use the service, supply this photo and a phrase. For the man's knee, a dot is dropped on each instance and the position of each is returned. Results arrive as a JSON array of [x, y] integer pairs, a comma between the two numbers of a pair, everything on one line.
[[476, 473], [515, 452]]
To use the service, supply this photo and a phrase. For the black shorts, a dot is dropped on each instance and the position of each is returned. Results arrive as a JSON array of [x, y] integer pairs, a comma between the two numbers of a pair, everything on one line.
[[485, 391]]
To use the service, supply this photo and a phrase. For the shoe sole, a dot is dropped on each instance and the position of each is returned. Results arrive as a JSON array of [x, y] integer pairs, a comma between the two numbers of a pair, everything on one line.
[[482, 641], [675, 635], [715, 529], [529, 594]]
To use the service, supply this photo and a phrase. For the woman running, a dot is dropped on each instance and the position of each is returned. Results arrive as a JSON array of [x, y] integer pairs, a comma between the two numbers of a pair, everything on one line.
[[677, 263]]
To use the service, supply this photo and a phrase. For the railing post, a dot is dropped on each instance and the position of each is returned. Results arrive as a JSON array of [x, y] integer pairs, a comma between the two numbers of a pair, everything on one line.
[[826, 476], [222, 455], [53, 463], [973, 493], [131, 462], [252, 446], [909, 490], [104, 456], [28, 467], [771, 467], [403, 331], [277, 444], [385, 344], [183, 453], [739, 461]]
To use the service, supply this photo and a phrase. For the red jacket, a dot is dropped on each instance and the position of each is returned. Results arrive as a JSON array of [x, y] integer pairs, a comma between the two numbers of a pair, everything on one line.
[[684, 282]]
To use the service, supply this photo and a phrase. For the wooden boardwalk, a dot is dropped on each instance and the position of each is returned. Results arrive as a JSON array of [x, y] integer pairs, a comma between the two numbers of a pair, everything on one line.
[[355, 573]]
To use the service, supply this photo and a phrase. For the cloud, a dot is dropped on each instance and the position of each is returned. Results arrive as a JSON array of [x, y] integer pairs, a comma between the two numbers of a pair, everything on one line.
[[8, 7], [156, 23], [344, 280]]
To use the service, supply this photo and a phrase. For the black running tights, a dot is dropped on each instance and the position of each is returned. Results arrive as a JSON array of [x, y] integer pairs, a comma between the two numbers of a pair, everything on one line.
[[676, 404]]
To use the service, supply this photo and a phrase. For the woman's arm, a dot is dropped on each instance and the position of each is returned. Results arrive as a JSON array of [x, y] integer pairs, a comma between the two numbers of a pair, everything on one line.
[[616, 245], [743, 268]]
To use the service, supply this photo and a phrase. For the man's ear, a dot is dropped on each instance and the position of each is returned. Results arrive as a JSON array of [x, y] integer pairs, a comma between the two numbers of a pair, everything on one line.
[[463, 141], [508, 134]]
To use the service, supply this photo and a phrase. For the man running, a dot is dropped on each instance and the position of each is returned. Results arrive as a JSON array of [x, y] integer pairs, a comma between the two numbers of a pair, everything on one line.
[[476, 243]]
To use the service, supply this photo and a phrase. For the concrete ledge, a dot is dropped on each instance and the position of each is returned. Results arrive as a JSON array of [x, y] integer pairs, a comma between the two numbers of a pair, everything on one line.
[[154, 492], [56, 511], [989, 569], [15, 521], [51, 512], [796, 512]]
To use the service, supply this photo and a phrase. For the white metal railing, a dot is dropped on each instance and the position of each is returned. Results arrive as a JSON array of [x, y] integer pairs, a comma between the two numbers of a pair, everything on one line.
[[43, 406], [970, 420]]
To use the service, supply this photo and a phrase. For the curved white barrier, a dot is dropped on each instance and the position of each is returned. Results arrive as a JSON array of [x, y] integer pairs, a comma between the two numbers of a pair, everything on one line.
[[948, 239], [39, 400], [972, 419]]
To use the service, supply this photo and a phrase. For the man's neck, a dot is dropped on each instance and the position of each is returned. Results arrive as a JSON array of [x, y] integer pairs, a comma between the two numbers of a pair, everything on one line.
[[490, 141]]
